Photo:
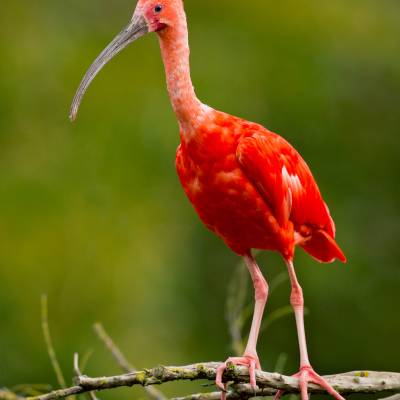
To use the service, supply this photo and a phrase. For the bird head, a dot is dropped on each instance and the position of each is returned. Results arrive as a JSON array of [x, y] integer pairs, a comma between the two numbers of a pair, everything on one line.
[[149, 16], [159, 14]]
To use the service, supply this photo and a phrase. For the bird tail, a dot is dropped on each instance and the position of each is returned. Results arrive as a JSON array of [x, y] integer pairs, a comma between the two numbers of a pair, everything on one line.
[[323, 247]]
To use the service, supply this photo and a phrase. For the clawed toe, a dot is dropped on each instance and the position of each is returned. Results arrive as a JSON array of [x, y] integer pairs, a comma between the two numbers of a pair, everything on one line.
[[249, 361], [306, 375]]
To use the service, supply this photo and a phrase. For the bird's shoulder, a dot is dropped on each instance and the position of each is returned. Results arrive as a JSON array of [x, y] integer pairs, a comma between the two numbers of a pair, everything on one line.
[[284, 179], [272, 152]]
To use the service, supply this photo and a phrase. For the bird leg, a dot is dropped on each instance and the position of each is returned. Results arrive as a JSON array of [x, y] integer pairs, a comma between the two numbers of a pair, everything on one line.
[[306, 373], [250, 357]]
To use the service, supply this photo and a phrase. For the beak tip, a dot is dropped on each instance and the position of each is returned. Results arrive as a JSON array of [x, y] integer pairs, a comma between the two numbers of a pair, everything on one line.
[[72, 115]]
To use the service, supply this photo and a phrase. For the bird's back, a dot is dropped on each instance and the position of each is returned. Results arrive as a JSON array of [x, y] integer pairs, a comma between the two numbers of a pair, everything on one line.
[[252, 188]]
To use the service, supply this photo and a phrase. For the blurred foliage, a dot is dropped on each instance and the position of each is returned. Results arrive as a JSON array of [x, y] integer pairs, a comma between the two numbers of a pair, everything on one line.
[[93, 214]]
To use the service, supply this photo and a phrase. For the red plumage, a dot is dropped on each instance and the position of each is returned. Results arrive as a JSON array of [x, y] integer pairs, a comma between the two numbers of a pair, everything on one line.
[[254, 190]]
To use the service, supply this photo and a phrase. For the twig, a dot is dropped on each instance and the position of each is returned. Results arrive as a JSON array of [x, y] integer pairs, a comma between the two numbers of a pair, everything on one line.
[[122, 361], [350, 382], [27, 390], [78, 375], [114, 349], [61, 393], [6, 394], [85, 358], [77, 371], [49, 343]]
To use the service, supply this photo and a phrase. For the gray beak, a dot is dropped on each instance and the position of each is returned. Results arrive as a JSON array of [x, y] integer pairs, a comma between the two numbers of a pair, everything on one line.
[[136, 29]]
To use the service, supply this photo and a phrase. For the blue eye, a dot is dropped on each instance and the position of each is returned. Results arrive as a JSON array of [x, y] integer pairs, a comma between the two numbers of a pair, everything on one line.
[[158, 8]]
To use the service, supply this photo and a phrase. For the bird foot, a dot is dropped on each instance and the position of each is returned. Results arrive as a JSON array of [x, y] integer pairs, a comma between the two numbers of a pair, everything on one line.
[[306, 375], [250, 361]]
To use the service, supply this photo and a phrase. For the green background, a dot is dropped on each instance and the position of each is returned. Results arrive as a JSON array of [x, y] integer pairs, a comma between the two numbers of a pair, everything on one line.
[[92, 213]]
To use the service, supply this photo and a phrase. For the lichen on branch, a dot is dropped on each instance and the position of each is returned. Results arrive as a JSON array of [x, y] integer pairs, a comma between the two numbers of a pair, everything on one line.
[[365, 382]]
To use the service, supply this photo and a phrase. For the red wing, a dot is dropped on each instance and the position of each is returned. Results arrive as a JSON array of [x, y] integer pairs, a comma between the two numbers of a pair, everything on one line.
[[284, 180]]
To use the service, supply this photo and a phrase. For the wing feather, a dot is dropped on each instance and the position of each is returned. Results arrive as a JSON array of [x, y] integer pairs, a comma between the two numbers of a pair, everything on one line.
[[284, 180]]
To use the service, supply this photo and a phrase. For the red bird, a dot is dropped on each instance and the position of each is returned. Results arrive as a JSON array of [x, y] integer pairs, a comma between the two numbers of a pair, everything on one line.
[[248, 185]]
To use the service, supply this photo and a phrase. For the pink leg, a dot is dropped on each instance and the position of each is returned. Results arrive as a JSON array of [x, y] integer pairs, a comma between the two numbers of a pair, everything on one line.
[[250, 357], [306, 373]]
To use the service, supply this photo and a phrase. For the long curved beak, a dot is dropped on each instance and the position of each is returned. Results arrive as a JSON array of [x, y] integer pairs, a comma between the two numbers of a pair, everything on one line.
[[135, 29]]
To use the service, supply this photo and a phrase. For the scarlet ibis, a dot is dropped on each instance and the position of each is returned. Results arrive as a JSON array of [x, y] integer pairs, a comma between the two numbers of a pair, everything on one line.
[[248, 185]]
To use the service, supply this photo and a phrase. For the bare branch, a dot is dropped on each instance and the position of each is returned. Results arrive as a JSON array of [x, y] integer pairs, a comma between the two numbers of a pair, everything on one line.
[[350, 382], [78, 374], [76, 365], [85, 359], [114, 349], [61, 393], [153, 393], [49, 343]]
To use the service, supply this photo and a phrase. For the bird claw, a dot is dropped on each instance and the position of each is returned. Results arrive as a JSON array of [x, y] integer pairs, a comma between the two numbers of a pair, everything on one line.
[[251, 362], [306, 375]]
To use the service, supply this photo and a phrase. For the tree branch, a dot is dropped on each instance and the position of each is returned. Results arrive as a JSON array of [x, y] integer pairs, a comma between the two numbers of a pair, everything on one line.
[[78, 374], [346, 383]]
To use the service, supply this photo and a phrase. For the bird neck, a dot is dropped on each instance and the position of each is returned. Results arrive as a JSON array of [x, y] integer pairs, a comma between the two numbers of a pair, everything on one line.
[[175, 53]]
